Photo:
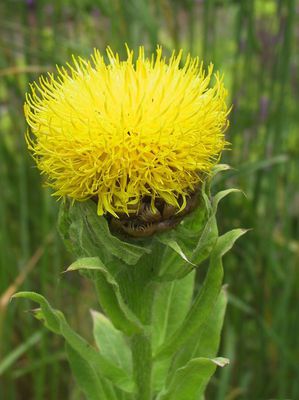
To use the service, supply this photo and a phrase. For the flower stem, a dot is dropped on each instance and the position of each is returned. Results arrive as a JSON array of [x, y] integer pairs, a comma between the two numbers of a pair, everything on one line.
[[141, 344], [138, 290], [142, 366]]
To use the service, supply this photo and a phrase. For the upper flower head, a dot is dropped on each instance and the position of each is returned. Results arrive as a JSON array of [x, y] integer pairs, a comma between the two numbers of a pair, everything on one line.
[[127, 130]]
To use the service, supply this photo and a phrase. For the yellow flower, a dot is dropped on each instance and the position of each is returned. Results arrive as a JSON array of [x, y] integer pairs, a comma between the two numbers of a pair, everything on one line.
[[127, 130]]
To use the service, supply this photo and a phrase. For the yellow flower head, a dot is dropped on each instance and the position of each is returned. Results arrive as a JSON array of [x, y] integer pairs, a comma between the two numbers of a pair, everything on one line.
[[127, 130]]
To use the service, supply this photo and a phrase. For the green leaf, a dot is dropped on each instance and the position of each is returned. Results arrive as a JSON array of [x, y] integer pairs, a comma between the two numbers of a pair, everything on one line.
[[205, 299], [172, 266], [89, 381], [73, 231], [87, 234], [85, 376], [56, 322], [199, 311], [209, 235], [221, 195], [206, 241], [193, 239], [109, 295], [208, 338], [127, 252], [226, 241], [111, 342], [205, 341], [176, 247], [189, 382], [89, 263], [171, 305], [215, 171], [179, 257]]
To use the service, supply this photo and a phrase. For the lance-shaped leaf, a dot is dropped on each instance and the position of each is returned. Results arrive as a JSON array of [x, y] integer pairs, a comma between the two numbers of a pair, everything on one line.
[[85, 375], [192, 241], [206, 298], [56, 322], [88, 380], [111, 342], [109, 295], [171, 304], [175, 263], [194, 238], [208, 339], [209, 235], [221, 195], [176, 247], [205, 342], [215, 171], [207, 239], [179, 257], [189, 382]]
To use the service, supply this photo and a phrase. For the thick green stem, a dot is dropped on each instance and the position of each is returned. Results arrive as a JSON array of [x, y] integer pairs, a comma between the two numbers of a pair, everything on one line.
[[141, 343], [142, 364], [138, 290]]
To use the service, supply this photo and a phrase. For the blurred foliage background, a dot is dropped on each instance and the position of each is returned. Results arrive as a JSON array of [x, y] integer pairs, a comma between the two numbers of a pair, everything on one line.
[[255, 44]]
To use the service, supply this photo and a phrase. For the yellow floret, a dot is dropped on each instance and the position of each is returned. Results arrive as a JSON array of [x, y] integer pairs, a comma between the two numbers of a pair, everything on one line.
[[126, 130]]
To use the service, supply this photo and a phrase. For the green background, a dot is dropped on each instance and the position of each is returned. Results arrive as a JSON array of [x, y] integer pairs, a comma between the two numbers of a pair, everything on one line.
[[255, 44]]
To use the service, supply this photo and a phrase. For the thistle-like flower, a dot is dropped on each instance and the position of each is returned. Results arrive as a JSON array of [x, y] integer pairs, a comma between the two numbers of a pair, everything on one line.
[[128, 130]]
